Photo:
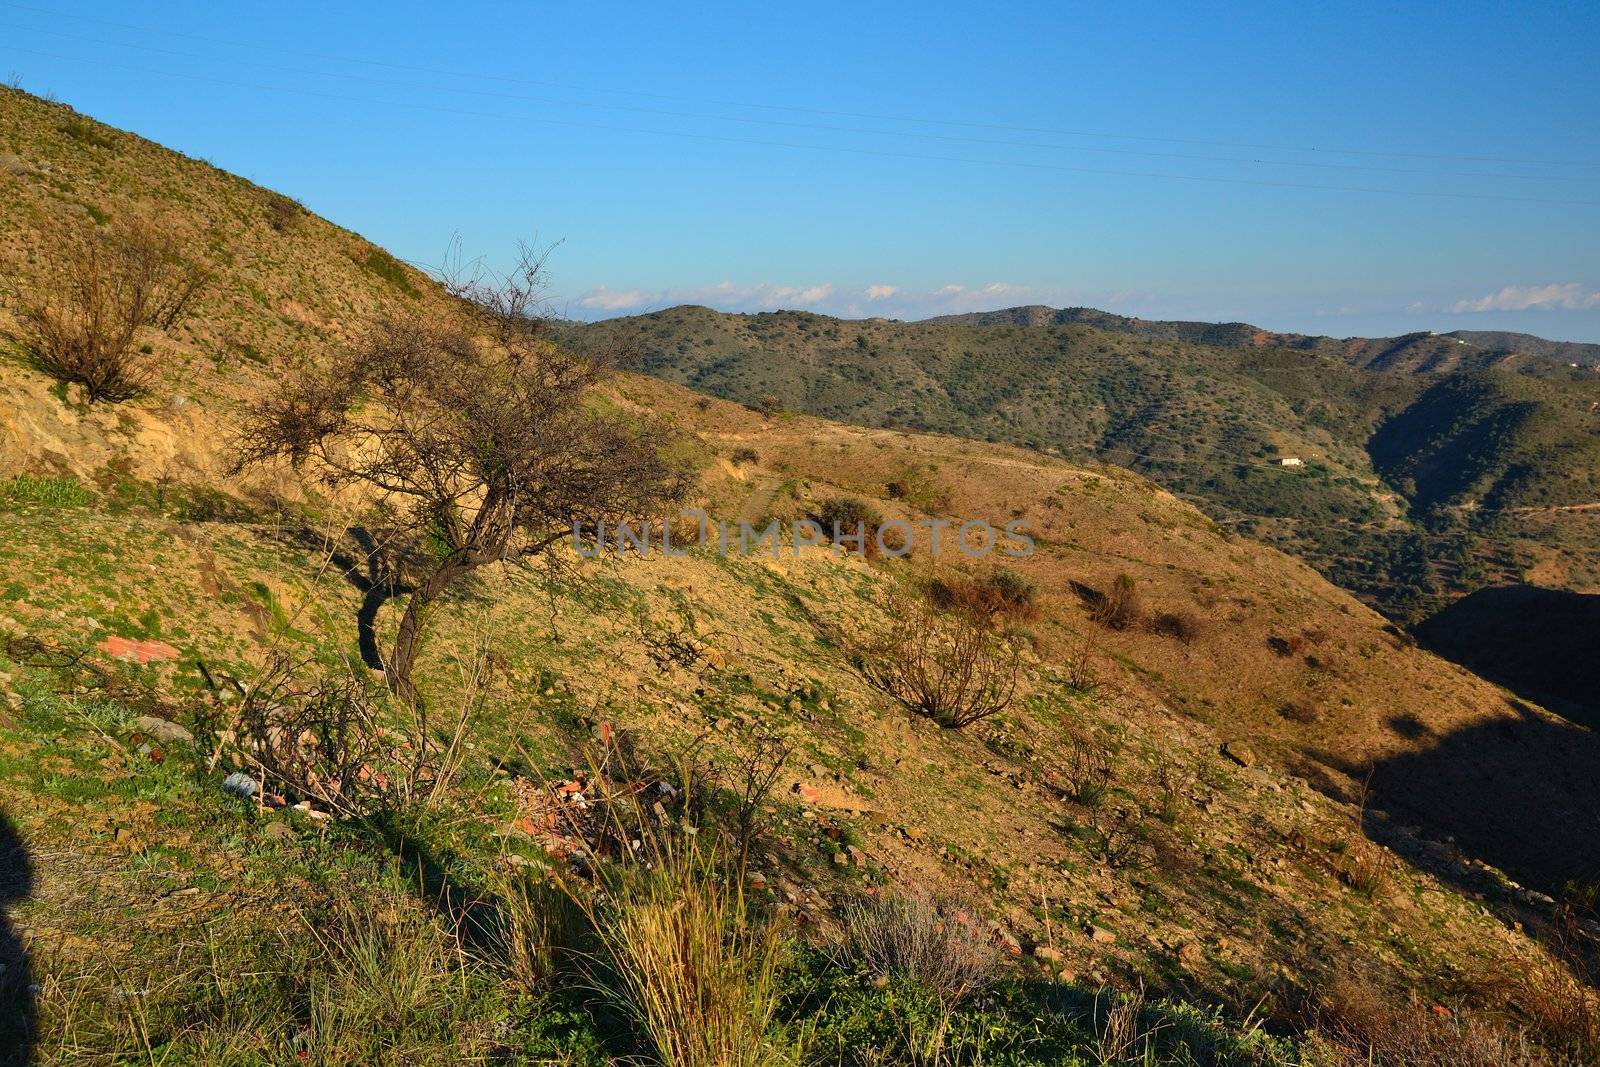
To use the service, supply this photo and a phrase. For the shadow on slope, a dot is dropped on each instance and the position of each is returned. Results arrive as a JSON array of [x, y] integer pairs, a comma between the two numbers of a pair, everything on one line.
[[16, 976], [1521, 792], [1541, 643]]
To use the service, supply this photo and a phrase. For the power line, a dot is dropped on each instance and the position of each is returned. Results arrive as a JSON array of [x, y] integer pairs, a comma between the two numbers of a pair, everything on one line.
[[1100, 135], [855, 130], [879, 153]]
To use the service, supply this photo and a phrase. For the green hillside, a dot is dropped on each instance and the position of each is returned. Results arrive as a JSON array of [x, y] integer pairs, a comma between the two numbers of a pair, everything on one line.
[[1387, 429], [1215, 812]]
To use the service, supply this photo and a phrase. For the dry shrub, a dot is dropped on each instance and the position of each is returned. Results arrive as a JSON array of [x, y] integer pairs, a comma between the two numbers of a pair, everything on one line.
[[313, 737], [100, 289], [1365, 1025], [1363, 866], [1563, 997], [1081, 676], [326, 737], [1300, 711], [846, 517], [1122, 607], [1292, 645], [934, 944], [1089, 771], [745, 455], [1000, 593], [283, 211], [1183, 626], [950, 666], [1565, 1011]]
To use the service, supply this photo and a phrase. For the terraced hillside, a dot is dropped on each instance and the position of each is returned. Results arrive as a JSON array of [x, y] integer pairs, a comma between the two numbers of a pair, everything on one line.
[[1242, 789]]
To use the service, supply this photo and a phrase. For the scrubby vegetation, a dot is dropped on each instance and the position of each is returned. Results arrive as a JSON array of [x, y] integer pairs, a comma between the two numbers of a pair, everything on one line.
[[707, 809], [104, 288], [1208, 411]]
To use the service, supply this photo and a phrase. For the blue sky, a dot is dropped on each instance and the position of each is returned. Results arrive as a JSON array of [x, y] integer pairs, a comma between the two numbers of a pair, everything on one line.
[[1344, 169]]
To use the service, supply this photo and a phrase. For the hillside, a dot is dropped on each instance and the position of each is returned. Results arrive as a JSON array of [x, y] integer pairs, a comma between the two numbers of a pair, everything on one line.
[[1245, 794], [1417, 352], [1380, 504]]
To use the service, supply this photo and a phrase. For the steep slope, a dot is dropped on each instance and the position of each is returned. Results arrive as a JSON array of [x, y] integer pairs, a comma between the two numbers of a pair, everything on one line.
[[1176, 802], [284, 284], [1496, 441]]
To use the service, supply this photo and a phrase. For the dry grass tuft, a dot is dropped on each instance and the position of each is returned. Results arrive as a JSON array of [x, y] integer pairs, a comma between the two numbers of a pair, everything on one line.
[[932, 943]]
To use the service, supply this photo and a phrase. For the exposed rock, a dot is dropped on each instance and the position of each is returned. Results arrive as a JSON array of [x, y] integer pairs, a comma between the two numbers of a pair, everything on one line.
[[241, 784], [1004, 940], [1101, 935], [164, 730], [1047, 954]]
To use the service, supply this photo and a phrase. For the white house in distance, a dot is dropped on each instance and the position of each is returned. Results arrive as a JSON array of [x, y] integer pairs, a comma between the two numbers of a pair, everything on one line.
[[1291, 461]]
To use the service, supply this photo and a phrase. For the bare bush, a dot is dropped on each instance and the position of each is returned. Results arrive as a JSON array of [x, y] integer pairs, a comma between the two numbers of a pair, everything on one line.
[[1182, 626], [1089, 771], [1122, 607], [750, 784], [98, 290], [477, 431], [326, 737], [1082, 678], [1300, 711], [316, 740], [951, 667], [932, 943]]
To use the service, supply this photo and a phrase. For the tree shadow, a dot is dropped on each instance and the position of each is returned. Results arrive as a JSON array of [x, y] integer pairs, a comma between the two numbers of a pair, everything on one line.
[[1520, 792], [17, 1014], [372, 569]]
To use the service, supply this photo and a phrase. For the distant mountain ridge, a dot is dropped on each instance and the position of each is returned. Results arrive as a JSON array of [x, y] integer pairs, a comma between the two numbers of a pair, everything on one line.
[[1431, 465], [1422, 351]]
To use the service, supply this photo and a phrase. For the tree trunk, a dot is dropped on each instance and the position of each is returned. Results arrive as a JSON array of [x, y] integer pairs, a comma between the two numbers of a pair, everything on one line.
[[397, 672]]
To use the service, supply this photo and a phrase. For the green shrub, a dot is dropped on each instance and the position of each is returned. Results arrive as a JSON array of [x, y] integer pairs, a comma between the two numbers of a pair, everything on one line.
[[64, 492]]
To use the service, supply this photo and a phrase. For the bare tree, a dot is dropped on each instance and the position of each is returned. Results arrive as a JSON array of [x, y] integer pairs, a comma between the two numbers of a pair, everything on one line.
[[477, 432], [97, 290]]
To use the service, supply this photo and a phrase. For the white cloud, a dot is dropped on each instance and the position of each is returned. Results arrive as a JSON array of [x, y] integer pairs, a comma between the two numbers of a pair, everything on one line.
[[1569, 296], [814, 295], [883, 299], [602, 299]]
